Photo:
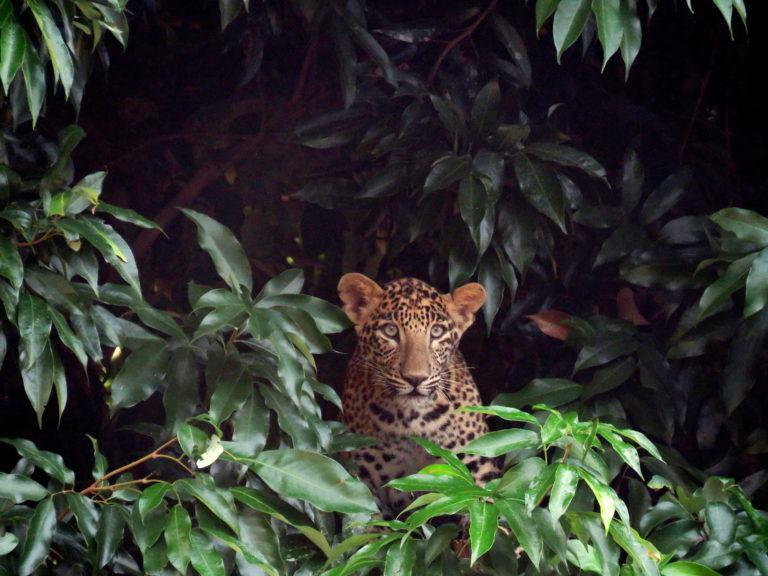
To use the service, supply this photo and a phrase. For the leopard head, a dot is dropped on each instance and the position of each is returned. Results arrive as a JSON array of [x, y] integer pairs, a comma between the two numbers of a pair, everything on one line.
[[407, 331]]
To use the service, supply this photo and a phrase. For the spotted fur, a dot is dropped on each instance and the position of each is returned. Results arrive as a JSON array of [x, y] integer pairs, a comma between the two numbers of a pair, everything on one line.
[[407, 378]]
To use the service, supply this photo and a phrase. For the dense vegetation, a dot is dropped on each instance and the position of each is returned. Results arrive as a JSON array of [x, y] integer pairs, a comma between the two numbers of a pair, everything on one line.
[[172, 416]]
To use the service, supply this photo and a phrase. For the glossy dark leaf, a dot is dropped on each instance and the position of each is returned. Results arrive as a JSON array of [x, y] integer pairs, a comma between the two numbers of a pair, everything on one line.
[[314, 478], [109, 533], [177, 537], [140, 376], [567, 156], [553, 392], [632, 180], [52, 464], [609, 378], [666, 196], [541, 188], [228, 256], [485, 109], [445, 171], [38, 539]]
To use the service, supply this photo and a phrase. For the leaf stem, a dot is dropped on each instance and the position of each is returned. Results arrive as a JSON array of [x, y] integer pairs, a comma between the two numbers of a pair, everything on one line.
[[460, 38]]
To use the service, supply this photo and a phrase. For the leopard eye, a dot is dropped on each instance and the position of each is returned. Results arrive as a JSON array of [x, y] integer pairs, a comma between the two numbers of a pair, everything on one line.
[[436, 331], [390, 330]]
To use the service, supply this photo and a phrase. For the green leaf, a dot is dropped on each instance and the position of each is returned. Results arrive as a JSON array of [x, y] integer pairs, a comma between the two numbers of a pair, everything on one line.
[[570, 17], [13, 45], [553, 392], [642, 552], [541, 188], [312, 477], [147, 532], [567, 156], [603, 351], [641, 440], [230, 391], [388, 182], [229, 10], [716, 294], [18, 488], [217, 500], [8, 543], [34, 323], [485, 109], [140, 376], [109, 534], [490, 277], [152, 497], [502, 441], [38, 381], [445, 171], [685, 568], [109, 243], [609, 26], [563, 490], [368, 43], [274, 506], [177, 538], [68, 338], [627, 452], [250, 426], [11, 266], [401, 557], [287, 282], [632, 33], [34, 80], [428, 483], [86, 513], [483, 524], [544, 9], [472, 203], [329, 319], [38, 538], [61, 59], [609, 378], [504, 412], [720, 522], [524, 529], [746, 225], [726, 9], [128, 215], [205, 559], [604, 495], [52, 464], [227, 254], [666, 196]]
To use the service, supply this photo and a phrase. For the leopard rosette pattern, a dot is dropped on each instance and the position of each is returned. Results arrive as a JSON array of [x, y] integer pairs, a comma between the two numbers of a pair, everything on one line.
[[407, 377]]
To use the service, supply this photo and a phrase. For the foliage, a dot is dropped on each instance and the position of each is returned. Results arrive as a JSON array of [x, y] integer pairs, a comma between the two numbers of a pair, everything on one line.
[[437, 149], [64, 34]]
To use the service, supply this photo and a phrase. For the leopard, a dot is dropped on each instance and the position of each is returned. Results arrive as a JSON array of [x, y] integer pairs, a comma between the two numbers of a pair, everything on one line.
[[407, 377]]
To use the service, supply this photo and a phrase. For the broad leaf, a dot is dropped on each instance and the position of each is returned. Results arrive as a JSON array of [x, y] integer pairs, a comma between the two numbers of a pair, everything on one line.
[[227, 254]]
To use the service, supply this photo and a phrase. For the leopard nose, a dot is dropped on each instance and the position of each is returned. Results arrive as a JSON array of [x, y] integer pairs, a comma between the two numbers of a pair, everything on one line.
[[415, 379]]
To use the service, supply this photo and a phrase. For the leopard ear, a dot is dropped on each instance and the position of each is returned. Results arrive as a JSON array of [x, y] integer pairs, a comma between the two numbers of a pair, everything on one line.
[[360, 296], [464, 302]]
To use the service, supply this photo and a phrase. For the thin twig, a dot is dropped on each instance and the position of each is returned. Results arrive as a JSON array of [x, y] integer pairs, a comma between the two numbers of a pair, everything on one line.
[[47, 236], [117, 471], [460, 38]]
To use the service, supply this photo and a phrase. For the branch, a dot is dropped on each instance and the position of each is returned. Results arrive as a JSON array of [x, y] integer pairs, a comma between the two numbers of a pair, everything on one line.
[[117, 471], [460, 38]]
